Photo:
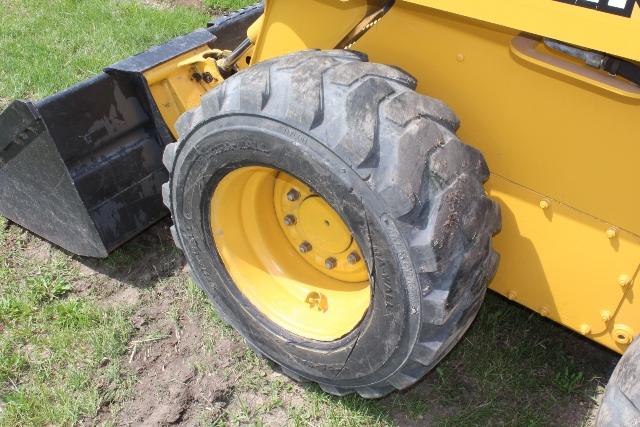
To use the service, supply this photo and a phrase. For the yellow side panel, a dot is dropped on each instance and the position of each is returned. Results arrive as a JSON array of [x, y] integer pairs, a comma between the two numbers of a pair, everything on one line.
[[290, 26], [570, 141], [617, 35], [547, 134], [561, 263], [627, 313]]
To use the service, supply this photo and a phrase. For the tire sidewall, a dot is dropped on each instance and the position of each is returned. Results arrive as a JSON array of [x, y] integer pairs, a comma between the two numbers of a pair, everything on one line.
[[621, 402], [383, 341]]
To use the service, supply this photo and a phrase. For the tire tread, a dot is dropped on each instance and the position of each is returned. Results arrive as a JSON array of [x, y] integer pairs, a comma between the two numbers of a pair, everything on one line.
[[404, 146]]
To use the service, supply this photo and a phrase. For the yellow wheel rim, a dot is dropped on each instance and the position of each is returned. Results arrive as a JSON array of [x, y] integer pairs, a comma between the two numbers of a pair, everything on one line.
[[289, 253]]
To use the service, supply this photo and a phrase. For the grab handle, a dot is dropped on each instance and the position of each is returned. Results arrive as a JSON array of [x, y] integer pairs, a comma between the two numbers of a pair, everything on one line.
[[525, 48]]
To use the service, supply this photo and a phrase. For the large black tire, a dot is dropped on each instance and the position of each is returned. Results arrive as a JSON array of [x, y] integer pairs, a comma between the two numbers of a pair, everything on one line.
[[387, 160], [620, 405]]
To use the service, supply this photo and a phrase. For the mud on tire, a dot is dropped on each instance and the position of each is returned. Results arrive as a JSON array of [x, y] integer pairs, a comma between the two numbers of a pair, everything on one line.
[[388, 161]]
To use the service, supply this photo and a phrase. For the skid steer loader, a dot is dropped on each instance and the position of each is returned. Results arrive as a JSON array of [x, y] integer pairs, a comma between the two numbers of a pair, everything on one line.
[[311, 160]]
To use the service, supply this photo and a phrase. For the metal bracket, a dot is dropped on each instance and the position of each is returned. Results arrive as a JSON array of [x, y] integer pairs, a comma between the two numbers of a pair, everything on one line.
[[365, 25]]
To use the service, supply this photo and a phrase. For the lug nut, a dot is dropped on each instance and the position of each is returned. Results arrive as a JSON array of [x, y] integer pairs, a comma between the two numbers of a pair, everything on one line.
[[289, 220], [353, 258], [624, 280], [305, 247], [585, 329], [207, 77], [330, 263], [293, 195]]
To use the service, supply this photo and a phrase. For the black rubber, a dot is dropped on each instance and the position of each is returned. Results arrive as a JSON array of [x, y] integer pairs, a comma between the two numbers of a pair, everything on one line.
[[387, 159], [231, 28], [621, 402]]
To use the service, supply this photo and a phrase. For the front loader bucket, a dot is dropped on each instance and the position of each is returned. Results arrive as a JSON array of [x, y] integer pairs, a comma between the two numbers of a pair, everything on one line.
[[83, 168]]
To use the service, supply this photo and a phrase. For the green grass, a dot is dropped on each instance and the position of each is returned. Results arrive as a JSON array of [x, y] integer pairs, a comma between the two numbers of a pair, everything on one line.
[[506, 370], [59, 354], [512, 368], [251, 375], [48, 45], [3, 231], [228, 4]]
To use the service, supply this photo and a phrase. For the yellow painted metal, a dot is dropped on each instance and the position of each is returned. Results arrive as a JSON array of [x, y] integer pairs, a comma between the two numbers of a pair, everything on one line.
[[296, 25], [555, 133], [596, 30], [562, 263], [532, 50], [175, 87], [255, 29], [563, 138], [624, 322], [264, 261], [313, 221], [559, 137]]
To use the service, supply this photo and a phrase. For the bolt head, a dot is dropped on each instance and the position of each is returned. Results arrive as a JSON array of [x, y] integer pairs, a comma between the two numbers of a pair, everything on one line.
[[353, 258], [585, 329], [624, 280], [293, 195], [207, 77], [605, 315], [622, 334], [544, 204], [330, 263], [612, 233], [290, 220], [305, 247]]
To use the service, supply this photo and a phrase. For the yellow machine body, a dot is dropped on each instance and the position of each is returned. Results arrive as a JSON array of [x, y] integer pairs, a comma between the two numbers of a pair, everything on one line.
[[559, 136]]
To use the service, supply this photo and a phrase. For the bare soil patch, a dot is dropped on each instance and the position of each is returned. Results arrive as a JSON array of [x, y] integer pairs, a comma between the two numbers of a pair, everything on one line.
[[170, 389], [186, 367]]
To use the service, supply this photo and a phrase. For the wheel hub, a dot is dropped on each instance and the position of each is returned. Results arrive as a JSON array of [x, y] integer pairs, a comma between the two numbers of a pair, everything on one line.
[[321, 225], [289, 253], [315, 228]]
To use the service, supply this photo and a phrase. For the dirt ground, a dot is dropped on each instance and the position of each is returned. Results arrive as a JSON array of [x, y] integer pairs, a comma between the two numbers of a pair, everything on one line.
[[185, 367], [169, 340]]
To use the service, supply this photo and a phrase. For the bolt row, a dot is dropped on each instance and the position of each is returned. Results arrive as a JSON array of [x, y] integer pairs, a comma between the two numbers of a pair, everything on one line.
[[305, 247], [611, 232], [330, 263]]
